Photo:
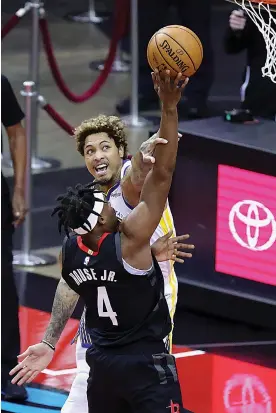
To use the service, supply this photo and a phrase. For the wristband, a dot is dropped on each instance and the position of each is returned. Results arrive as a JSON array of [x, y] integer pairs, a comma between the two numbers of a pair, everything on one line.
[[48, 344]]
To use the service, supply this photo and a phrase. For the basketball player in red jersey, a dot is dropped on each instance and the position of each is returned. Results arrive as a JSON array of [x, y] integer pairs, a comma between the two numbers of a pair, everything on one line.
[[121, 337], [102, 141]]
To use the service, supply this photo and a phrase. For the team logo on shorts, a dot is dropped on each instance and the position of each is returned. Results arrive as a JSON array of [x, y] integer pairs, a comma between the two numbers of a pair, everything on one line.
[[174, 407]]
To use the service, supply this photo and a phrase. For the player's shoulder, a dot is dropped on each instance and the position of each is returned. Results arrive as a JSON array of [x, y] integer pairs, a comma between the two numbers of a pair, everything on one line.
[[126, 165], [68, 244]]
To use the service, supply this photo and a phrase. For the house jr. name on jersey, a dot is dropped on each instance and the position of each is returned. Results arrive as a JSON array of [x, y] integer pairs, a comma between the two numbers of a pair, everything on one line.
[[88, 274]]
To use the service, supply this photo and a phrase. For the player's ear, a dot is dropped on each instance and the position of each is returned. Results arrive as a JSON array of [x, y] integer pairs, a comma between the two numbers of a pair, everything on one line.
[[121, 151], [101, 220]]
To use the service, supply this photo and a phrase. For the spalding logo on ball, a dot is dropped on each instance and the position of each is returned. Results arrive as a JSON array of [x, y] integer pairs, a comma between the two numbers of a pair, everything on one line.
[[175, 48]]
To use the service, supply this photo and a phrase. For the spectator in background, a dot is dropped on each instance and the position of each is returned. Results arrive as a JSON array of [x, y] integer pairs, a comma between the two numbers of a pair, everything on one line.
[[194, 14], [12, 214], [258, 93]]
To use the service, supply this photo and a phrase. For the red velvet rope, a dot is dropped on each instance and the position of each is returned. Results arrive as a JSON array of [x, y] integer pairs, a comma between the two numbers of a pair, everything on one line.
[[9, 25], [61, 121], [58, 119], [120, 17]]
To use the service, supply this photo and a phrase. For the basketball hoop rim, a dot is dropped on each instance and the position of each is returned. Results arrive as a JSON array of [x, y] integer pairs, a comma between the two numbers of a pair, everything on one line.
[[255, 3]]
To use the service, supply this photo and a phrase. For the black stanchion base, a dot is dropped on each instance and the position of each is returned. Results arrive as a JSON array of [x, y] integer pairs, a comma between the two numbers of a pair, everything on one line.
[[119, 66], [86, 17]]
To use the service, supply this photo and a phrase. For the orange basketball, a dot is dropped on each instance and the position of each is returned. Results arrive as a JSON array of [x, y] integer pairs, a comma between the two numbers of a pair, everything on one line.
[[176, 48]]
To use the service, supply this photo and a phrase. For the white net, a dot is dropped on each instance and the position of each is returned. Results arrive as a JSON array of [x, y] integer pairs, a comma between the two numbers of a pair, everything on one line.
[[262, 15]]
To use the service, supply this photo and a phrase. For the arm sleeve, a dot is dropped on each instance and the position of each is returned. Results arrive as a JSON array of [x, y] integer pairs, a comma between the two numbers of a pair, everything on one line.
[[234, 41], [11, 113], [237, 41]]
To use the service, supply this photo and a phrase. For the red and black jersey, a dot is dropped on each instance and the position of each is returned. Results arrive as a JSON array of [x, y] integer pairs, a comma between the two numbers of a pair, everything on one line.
[[121, 308]]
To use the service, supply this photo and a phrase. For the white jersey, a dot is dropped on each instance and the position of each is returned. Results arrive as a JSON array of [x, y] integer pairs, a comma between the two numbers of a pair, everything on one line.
[[123, 209]]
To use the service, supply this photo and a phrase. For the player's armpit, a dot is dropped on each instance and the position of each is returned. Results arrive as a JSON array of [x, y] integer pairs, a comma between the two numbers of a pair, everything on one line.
[[131, 192], [141, 223], [137, 257], [141, 163], [64, 304]]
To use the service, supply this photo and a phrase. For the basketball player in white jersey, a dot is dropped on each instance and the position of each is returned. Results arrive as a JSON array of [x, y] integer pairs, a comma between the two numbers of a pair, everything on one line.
[[102, 142]]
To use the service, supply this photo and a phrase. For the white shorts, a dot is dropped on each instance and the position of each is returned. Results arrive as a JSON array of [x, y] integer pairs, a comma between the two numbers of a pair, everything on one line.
[[77, 399]]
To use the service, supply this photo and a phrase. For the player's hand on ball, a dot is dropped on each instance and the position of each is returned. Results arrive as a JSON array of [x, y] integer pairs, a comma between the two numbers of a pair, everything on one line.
[[167, 248], [237, 20], [169, 90], [30, 363]]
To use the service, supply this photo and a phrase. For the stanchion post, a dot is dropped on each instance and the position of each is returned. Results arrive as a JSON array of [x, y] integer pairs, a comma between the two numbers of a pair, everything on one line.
[[119, 65], [29, 92], [24, 257], [37, 10], [34, 70], [134, 119], [36, 6], [135, 61], [87, 17], [93, 18]]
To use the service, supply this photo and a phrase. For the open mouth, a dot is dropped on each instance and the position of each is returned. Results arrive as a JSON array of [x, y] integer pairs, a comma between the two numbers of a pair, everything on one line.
[[101, 169]]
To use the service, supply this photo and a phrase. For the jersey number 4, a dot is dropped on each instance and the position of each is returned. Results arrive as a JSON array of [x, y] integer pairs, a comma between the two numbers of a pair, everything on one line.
[[104, 306]]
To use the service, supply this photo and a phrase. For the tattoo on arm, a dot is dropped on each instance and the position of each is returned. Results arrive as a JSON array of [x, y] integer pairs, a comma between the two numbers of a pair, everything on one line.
[[64, 304]]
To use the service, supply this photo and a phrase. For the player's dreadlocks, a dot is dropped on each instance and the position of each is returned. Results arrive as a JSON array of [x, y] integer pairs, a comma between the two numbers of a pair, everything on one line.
[[75, 206]]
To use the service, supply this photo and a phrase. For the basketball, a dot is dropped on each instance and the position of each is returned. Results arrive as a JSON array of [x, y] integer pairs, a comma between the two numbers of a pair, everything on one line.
[[175, 48]]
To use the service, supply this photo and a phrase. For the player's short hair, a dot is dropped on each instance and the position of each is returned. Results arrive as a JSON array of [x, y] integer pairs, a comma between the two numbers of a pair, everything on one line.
[[112, 125], [75, 207]]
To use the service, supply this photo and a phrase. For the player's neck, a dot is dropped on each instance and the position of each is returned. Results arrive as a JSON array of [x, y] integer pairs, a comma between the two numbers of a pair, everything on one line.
[[92, 239]]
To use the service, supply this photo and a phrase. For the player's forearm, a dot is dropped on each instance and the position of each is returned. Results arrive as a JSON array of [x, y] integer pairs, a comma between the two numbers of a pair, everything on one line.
[[64, 304], [18, 149], [134, 179], [165, 155], [137, 172]]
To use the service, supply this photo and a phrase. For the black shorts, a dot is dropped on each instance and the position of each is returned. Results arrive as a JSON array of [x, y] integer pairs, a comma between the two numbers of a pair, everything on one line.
[[133, 384]]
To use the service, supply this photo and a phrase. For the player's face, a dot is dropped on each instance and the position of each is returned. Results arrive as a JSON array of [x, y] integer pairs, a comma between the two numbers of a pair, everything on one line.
[[102, 158], [110, 220]]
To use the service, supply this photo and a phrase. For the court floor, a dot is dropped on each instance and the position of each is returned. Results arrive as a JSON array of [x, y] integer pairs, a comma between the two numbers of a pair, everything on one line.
[[215, 376]]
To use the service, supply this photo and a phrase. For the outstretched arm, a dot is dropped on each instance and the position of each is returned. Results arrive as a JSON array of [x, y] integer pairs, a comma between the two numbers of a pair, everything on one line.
[[140, 224], [64, 304], [166, 248], [36, 358], [141, 164]]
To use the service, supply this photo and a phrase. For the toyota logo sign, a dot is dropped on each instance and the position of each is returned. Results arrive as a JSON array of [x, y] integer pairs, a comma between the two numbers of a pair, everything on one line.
[[246, 225], [256, 218]]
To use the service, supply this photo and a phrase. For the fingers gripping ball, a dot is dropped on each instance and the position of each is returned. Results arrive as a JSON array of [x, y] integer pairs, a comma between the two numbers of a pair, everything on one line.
[[175, 48]]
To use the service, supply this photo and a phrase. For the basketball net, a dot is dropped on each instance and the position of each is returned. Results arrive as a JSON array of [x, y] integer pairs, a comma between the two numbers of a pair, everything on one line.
[[267, 27]]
